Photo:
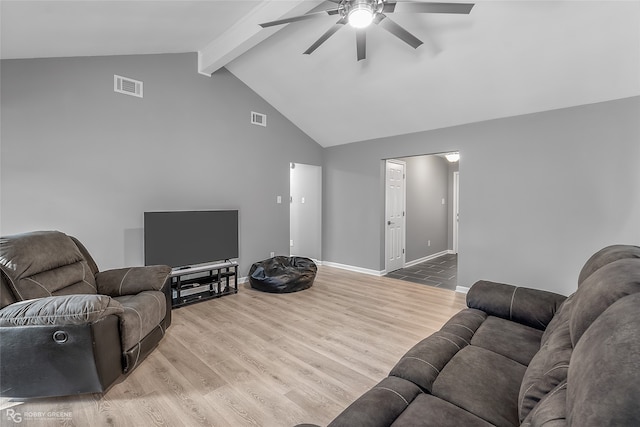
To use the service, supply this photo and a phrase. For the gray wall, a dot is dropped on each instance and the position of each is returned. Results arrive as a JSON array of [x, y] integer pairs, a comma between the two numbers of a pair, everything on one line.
[[427, 182], [82, 159], [539, 193]]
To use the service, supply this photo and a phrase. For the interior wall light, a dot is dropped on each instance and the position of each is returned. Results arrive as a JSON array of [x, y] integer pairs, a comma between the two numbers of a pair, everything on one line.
[[452, 157], [361, 14]]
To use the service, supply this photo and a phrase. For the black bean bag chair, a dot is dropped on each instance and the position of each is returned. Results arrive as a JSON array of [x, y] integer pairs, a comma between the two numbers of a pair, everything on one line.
[[282, 274]]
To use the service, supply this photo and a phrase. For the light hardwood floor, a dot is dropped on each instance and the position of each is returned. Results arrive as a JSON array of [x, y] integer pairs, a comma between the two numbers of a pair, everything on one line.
[[259, 359]]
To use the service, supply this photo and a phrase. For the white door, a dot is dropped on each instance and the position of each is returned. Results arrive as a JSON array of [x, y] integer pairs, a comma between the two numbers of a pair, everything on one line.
[[394, 215], [456, 209]]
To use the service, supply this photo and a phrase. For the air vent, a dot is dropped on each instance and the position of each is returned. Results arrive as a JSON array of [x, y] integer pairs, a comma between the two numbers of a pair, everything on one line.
[[127, 86], [258, 119]]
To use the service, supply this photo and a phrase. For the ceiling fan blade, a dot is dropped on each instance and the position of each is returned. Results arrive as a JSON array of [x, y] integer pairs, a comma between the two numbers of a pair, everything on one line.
[[361, 43], [395, 29], [427, 7], [299, 18], [326, 35]]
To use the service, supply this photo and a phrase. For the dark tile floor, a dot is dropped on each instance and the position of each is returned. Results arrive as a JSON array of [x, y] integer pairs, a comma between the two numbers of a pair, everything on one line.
[[441, 272]]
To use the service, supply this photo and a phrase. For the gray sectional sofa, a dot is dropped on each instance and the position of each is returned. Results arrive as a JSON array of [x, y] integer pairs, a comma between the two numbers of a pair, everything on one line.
[[519, 356]]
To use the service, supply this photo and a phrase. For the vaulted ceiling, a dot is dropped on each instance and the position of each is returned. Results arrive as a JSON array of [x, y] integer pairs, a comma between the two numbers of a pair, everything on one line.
[[505, 58]]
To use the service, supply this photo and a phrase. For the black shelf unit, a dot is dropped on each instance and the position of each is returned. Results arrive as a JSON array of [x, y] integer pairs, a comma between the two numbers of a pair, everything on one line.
[[201, 283]]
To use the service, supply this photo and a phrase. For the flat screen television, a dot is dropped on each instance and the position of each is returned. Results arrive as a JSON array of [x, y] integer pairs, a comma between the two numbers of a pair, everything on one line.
[[185, 238]]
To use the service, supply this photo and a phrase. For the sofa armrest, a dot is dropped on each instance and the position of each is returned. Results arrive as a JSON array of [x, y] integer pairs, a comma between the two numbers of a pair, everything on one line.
[[133, 280], [531, 307], [61, 310]]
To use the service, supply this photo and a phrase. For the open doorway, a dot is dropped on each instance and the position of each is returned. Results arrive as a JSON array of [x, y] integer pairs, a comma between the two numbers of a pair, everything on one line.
[[305, 211], [430, 225]]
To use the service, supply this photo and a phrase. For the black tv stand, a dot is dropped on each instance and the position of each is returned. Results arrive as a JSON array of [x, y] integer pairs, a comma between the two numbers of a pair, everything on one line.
[[200, 283]]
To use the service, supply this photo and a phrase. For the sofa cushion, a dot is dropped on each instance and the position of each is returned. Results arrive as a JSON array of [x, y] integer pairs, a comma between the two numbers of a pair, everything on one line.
[[601, 289], [484, 383], [380, 406], [429, 411], [465, 323], [551, 411], [142, 313], [606, 256], [547, 369], [59, 310], [45, 263], [424, 361], [561, 317], [510, 339], [604, 373]]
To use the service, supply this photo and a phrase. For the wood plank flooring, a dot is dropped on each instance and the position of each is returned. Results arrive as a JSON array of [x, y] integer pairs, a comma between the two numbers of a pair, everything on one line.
[[259, 359]]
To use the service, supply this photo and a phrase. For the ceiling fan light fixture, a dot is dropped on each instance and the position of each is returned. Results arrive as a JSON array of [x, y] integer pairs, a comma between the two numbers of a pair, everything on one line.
[[361, 14]]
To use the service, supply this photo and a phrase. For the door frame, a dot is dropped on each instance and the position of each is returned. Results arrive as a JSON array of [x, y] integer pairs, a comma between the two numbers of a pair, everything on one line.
[[386, 213], [456, 210]]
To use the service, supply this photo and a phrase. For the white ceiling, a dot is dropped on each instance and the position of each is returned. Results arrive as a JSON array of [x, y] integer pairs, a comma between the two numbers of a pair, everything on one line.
[[506, 58]]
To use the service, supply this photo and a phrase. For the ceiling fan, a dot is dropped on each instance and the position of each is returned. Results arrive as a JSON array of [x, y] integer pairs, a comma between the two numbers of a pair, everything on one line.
[[361, 13]]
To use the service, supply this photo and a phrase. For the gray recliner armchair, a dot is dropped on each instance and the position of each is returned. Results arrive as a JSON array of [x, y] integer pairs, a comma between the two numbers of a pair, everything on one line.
[[67, 328]]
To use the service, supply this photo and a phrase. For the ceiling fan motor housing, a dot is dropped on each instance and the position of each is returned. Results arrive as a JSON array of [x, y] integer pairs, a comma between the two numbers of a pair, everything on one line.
[[360, 13]]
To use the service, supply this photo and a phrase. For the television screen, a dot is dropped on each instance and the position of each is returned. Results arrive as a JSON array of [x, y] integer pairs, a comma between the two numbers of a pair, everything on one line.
[[186, 238]]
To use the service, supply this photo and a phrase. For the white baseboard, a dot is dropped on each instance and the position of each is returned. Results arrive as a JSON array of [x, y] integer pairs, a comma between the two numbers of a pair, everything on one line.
[[382, 272], [354, 268], [426, 258], [371, 272]]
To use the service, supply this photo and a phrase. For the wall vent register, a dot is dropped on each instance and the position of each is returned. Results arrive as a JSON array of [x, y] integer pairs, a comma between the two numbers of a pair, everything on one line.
[[258, 119], [127, 86]]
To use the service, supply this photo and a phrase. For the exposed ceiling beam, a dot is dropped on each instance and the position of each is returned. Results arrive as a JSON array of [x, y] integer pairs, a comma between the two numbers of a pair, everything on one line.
[[247, 32]]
